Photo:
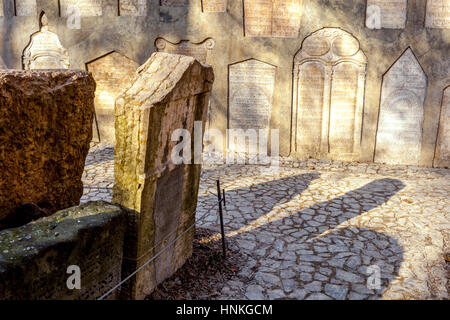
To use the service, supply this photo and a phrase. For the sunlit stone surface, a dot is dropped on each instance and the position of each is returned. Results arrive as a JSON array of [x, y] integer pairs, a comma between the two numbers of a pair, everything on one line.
[[329, 79], [112, 73], [400, 125], [389, 14], [133, 7], [214, 5], [87, 8], [438, 14], [45, 50], [26, 8]]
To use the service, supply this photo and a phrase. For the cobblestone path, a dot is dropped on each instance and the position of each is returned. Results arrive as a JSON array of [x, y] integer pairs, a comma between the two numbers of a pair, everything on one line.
[[322, 230]]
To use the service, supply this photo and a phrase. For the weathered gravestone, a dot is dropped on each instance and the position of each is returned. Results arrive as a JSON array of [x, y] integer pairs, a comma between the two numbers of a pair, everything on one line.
[[214, 5], [45, 131], [387, 14], [25, 8], [45, 50], [272, 18], [199, 51], [251, 89], [442, 158], [400, 123], [86, 8], [133, 8], [169, 93], [438, 14], [112, 73], [329, 81]]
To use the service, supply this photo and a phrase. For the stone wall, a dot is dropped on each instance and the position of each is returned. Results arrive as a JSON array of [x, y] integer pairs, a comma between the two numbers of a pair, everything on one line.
[[45, 131], [35, 258], [226, 34], [170, 92]]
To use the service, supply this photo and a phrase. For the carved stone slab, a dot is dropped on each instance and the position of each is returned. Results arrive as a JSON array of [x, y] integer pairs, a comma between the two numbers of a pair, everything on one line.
[[214, 5], [251, 88], [388, 14], [112, 73], [442, 158], [329, 81], [45, 50], [438, 14], [400, 124], [133, 8], [272, 18], [26, 8], [88, 8], [197, 50]]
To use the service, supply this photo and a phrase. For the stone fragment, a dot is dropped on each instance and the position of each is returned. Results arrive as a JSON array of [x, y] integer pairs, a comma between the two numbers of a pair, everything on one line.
[[45, 131], [170, 92]]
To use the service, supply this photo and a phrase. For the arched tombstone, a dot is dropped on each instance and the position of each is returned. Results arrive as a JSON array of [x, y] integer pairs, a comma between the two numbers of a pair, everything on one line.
[[45, 50], [442, 158], [329, 81], [400, 121]]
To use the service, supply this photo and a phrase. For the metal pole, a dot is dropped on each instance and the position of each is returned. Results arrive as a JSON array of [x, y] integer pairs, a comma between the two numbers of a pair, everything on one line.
[[219, 198], [224, 200]]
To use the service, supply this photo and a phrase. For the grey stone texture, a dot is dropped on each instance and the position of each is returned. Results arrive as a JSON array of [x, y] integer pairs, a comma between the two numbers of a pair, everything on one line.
[[134, 36]]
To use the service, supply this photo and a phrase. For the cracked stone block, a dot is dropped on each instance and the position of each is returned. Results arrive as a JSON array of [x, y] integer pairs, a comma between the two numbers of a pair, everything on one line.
[[45, 131], [170, 92]]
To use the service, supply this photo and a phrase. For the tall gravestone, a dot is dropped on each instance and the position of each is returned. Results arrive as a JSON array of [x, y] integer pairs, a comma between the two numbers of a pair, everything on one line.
[[400, 122], [26, 8], [251, 90], [45, 50], [386, 14], [272, 18], [112, 73], [214, 5], [199, 50], [329, 81], [170, 92], [438, 14], [442, 157]]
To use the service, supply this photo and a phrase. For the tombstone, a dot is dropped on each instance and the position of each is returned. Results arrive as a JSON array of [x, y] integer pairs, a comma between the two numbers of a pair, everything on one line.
[[48, 115], [329, 81], [400, 122], [251, 89], [112, 73], [174, 3], [442, 157], [170, 92], [26, 8], [45, 50], [272, 18], [438, 14], [87, 8], [386, 14], [199, 50], [133, 8], [214, 5]]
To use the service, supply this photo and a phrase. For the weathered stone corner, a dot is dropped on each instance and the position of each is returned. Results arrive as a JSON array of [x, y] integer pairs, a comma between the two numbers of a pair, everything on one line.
[[170, 92], [34, 258]]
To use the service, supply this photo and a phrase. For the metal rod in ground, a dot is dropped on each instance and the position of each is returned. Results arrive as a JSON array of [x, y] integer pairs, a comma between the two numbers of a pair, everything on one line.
[[224, 199], [219, 198]]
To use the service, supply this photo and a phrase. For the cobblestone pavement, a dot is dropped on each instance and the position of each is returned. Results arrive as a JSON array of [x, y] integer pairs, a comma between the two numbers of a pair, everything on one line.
[[323, 230]]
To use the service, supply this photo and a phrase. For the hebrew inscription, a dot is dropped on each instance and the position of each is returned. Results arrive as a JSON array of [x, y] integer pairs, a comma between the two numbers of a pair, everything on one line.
[[26, 8], [251, 88], [442, 158], [197, 50], [45, 50], [400, 124], [272, 18], [112, 73], [88, 8], [133, 8], [438, 14], [329, 80], [388, 14], [214, 5]]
